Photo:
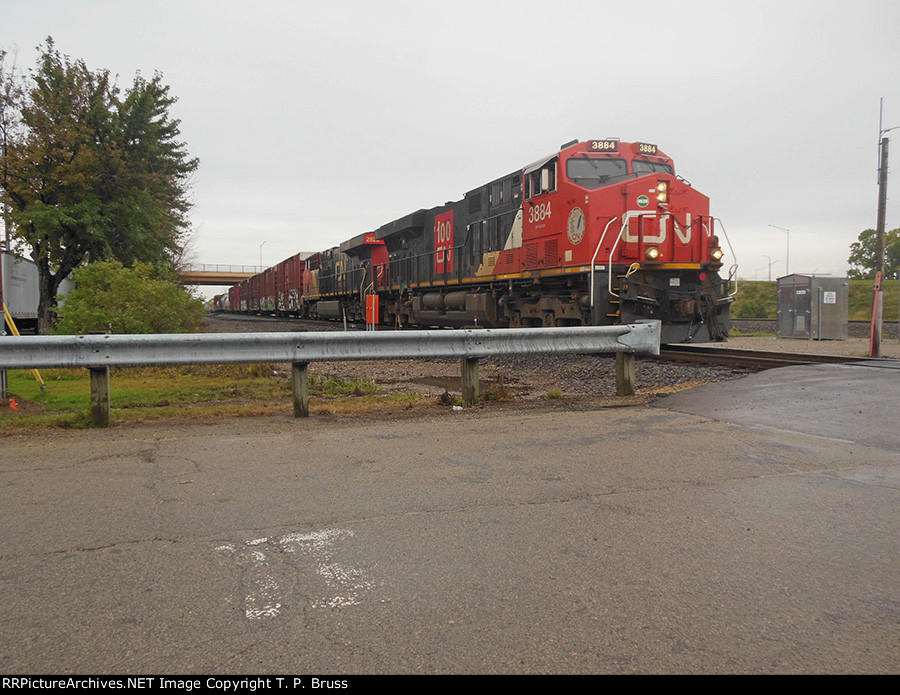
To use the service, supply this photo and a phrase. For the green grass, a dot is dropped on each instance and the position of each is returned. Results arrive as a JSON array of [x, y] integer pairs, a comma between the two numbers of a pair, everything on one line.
[[201, 392], [333, 386], [860, 299], [755, 300]]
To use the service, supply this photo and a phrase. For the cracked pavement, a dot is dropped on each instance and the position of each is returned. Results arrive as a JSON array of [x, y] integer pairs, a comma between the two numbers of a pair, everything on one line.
[[601, 541]]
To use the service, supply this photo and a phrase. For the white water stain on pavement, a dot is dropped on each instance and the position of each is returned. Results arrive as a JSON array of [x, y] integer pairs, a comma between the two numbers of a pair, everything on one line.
[[274, 567]]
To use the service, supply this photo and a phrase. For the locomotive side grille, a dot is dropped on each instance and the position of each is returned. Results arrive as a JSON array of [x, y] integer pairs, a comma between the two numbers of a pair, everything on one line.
[[551, 252], [531, 256]]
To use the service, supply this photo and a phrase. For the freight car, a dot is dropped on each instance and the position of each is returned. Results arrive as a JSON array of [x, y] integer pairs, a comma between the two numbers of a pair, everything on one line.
[[600, 232], [21, 292]]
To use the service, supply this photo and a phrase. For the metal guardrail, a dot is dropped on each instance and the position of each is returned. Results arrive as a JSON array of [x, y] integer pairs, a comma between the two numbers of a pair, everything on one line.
[[95, 351], [100, 352]]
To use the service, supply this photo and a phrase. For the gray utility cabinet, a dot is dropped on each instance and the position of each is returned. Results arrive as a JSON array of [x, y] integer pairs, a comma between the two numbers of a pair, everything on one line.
[[812, 307]]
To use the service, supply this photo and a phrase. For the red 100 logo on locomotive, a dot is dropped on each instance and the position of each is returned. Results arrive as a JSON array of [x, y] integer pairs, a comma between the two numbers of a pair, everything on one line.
[[443, 243]]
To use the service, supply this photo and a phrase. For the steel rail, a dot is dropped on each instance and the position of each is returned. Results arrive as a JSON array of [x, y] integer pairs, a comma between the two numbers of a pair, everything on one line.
[[750, 359]]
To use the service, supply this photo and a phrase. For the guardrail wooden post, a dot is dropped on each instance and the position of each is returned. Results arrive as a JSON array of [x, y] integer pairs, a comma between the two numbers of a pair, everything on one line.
[[300, 388], [625, 373], [100, 396], [469, 367]]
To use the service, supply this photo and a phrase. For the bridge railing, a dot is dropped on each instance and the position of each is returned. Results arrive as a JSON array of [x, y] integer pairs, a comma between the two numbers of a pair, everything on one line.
[[223, 268], [100, 352]]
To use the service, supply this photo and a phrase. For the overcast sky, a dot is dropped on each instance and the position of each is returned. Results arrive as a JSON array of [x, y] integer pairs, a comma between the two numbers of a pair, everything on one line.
[[316, 121]]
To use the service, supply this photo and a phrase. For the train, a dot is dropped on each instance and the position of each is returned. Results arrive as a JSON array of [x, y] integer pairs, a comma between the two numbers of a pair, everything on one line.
[[600, 232]]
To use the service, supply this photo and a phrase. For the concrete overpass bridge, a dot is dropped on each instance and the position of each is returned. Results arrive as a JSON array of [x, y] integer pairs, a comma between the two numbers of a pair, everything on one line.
[[218, 275]]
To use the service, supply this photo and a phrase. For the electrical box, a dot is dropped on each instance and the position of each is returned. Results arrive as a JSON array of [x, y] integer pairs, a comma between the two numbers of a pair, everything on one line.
[[812, 307]]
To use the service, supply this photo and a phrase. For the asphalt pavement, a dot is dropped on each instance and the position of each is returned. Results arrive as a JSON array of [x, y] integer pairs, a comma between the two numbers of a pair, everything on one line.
[[750, 526]]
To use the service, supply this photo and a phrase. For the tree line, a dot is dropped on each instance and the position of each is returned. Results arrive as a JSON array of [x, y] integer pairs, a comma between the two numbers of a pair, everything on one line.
[[89, 170], [863, 256]]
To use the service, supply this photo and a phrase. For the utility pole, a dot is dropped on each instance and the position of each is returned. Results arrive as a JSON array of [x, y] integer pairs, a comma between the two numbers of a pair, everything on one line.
[[878, 308], [787, 262], [771, 263], [878, 303]]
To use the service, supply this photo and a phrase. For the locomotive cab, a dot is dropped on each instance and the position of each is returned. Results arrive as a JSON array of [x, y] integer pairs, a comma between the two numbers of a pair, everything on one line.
[[651, 239]]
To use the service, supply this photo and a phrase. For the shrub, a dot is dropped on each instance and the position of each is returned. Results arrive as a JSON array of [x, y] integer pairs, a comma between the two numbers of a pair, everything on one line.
[[140, 299]]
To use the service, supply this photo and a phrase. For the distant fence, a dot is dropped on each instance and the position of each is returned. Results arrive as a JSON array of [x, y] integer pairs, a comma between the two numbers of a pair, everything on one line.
[[100, 352]]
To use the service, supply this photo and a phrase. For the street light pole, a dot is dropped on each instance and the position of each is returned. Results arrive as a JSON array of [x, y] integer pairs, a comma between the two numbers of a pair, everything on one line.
[[771, 263], [260, 255], [787, 263]]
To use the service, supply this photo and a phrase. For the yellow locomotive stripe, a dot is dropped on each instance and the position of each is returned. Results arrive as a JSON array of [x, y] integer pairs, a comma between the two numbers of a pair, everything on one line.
[[514, 276], [505, 276], [674, 266]]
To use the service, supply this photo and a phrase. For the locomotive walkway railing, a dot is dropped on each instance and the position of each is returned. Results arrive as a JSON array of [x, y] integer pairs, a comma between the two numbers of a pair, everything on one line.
[[100, 352]]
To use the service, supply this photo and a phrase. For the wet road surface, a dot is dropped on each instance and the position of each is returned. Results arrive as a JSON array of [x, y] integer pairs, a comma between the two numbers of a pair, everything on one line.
[[747, 526]]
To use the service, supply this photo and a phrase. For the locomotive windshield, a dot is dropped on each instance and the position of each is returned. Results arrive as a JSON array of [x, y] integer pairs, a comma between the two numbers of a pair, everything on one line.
[[594, 172], [642, 166]]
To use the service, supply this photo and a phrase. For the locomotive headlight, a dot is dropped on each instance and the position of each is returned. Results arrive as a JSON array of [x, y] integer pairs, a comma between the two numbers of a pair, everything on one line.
[[715, 251], [662, 191], [651, 253]]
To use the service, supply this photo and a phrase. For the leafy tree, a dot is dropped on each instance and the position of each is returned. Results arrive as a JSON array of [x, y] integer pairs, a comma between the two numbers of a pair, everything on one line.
[[140, 299], [87, 173], [863, 261]]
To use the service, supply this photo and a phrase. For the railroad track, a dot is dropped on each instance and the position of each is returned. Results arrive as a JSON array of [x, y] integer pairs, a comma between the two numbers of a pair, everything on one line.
[[749, 359], [755, 360]]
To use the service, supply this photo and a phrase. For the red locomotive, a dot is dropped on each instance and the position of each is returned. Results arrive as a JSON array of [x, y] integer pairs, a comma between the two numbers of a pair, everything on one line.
[[600, 232]]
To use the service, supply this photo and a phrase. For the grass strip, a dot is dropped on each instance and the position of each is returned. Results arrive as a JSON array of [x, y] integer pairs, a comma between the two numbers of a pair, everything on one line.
[[203, 392]]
